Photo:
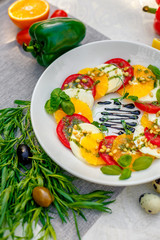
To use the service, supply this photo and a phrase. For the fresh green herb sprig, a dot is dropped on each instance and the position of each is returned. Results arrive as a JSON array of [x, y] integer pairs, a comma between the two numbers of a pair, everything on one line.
[[155, 70], [101, 127], [17, 181], [126, 127], [59, 99], [125, 96], [124, 162]]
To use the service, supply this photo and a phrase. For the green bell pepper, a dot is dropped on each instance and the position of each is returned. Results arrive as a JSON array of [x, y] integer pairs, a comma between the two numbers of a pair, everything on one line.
[[53, 37]]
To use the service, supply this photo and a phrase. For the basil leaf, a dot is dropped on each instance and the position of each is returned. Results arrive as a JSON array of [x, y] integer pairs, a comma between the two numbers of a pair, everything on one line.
[[111, 170], [158, 95], [56, 92], [55, 102], [133, 98], [142, 163], [155, 70], [95, 123], [48, 107], [55, 99], [64, 96], [125, 160], [68, 107], [126, 173]]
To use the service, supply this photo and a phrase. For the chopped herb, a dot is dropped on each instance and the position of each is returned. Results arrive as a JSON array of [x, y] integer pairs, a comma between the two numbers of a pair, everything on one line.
[[101, 127], [126, 127]]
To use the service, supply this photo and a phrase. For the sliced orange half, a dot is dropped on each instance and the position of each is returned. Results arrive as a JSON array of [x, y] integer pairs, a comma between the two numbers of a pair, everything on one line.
[[142, 84], [80, 108], [122, 145], [99, 77], [89, 149], [145, 122], [24, 13]]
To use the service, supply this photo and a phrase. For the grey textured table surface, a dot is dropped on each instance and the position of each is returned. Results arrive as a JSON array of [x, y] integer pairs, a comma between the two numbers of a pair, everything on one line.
[[19, 73]]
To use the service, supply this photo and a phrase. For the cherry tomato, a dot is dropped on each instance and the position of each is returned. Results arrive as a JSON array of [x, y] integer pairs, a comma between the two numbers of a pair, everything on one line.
[[59, 13], [154, 139], [148, 107], [42, 196], [158, 2], [23, 37], [76, 80], [127, 68], [64, 127], [107, 142]]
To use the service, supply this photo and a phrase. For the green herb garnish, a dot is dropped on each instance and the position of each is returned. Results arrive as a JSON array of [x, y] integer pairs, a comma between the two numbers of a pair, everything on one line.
[[126, 127], [126, 173], [158, 96], [125, 96], [101, 127], [155, 70], [111, 170], [142, 163], [16, 183], [59, 99], [124, 161]]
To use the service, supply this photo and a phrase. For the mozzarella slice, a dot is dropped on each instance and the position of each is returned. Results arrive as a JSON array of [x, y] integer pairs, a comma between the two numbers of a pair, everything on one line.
[[77, 132], [115, 76], [151, 97], [139, 135], [81, 94]]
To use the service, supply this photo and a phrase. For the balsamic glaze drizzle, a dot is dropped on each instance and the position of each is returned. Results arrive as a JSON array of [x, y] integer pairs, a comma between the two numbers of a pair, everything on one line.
[[118, 114]]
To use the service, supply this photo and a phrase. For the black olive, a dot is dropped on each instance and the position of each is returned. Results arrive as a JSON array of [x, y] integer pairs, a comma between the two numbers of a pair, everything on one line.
[[24, 154]]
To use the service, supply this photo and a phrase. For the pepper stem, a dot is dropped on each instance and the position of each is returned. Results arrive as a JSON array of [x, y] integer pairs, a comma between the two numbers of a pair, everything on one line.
[[149, 9], [28, 48]]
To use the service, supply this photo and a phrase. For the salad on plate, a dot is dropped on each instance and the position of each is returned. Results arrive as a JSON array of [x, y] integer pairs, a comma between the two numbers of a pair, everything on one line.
[[121, 134]]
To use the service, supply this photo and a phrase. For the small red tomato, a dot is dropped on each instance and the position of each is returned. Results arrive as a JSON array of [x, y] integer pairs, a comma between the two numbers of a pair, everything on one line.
[[107, 142], [70, 82], [158, 2], [67, 123], [148, 107], [127, 68], [151, 137], [23, 37], [59, 13]]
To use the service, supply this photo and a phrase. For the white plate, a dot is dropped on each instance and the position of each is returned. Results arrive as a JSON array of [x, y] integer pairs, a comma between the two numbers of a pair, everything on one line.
[[89, 55]]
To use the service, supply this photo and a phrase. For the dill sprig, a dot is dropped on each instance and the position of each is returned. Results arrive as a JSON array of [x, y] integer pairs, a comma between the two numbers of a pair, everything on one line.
[[17, 181]]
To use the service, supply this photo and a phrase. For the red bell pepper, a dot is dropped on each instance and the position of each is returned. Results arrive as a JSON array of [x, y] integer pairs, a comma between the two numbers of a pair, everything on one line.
[[158, 2], [155, 11]]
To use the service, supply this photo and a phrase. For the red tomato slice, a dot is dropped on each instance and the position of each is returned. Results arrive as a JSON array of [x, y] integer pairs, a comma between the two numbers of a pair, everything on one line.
[[148, 107], [74, 80], [59, 13], [121, 63], [154, 139], [23, 37], [107, 142], [67, 123]]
